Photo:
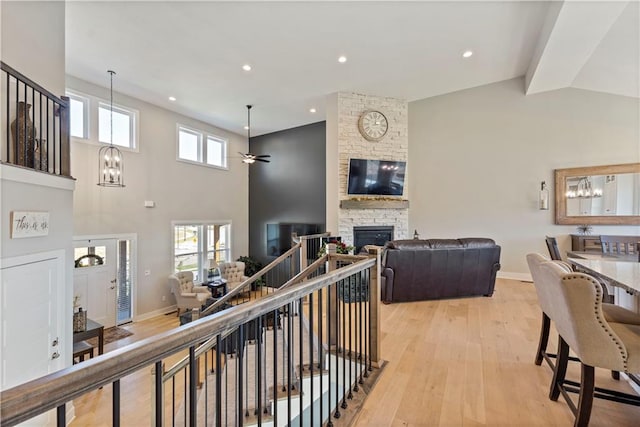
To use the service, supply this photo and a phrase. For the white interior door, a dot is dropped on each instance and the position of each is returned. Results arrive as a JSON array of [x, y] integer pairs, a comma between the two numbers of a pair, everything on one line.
[[32, 343], [95, 284]]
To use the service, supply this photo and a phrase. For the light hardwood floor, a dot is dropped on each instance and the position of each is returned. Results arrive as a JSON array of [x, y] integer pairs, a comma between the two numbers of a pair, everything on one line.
[[459, 362]]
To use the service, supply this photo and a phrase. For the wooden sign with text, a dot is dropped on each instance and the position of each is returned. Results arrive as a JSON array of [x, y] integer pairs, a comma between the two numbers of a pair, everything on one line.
[[29, 224]]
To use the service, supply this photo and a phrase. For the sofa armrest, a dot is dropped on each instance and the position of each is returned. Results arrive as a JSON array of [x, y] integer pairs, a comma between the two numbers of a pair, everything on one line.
[[386, 287], [201, 289], [188, 295]]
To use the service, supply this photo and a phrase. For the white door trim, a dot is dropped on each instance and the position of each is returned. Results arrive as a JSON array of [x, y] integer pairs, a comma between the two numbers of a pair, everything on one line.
[[133, 238]]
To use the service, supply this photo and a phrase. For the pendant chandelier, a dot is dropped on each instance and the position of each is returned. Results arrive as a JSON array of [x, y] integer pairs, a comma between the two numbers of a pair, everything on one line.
[[584, 190], [110, 162]]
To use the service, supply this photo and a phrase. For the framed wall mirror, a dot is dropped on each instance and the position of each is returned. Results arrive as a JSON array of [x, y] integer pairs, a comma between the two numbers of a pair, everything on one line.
[[598, 195]]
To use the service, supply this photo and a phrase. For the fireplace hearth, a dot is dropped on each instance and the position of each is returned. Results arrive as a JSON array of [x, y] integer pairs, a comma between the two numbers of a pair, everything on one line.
[[371, 235]]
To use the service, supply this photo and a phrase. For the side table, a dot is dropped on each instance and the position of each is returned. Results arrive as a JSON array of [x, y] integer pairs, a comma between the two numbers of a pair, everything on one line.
[[218, 287]]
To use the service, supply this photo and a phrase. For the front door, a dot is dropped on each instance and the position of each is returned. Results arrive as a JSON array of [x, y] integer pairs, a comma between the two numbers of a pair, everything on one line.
[[95, 279]]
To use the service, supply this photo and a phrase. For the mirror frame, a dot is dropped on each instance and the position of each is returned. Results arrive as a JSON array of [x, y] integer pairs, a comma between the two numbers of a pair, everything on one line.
[[561, 176]]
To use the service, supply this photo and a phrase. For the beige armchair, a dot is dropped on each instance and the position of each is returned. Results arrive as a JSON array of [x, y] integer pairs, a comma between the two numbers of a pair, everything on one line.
[[233, 273], [573, 301], [187, 295]]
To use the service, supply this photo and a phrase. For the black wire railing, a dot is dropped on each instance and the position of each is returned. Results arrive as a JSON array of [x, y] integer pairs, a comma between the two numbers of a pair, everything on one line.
[[35, 125]]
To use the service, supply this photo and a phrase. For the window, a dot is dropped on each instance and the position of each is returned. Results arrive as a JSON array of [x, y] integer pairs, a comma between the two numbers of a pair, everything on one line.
[[216, 152], [79, 116], [189, 144], [191, 147], [124, 125], [196, 244]]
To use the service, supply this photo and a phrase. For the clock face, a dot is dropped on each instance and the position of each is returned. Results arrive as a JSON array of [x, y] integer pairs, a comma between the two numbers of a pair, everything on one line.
[[373, 125]]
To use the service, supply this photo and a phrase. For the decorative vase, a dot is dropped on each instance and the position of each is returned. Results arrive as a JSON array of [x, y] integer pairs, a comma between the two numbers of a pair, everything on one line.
[[80, 321], [23, 135]]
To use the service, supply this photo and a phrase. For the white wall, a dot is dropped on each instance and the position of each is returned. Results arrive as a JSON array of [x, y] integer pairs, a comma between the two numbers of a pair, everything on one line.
[[181, 191], [477, 158], [32, 41]]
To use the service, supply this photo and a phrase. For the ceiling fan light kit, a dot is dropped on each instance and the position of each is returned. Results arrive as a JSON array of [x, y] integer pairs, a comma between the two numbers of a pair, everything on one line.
[[251, 158]]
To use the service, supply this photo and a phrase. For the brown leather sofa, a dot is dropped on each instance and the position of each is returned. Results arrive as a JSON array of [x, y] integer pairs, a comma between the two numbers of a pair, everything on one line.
[[414, 270]]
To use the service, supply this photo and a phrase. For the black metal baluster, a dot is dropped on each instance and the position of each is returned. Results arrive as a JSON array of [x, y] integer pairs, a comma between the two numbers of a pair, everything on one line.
[[246, 373], [360, 302], [115, 400], [32, 154], [289, 362], [259, 370], [337, 351], [350, 353], [219, 381], [311, 356], [55, 142], [370, 327], [173, 401], [158, 391], [239, 357], [8, 120], [61, 411], [228, 339], [330, 404], [206, 388], [186, 396], [320, 359], [344, 346], [193, 383], [275, 371], [300, 359], [48, 138], [42, 140]]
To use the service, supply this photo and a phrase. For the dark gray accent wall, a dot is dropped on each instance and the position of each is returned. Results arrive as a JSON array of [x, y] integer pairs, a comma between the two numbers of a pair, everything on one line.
[[289, 190]]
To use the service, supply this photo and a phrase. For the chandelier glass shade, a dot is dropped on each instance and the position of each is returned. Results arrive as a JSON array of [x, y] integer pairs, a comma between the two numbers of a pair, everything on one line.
[[583, 190], [110, 162]]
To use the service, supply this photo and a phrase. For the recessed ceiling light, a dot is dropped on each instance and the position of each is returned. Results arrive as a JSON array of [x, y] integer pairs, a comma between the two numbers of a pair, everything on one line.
[[172, 98], [246, 67], [342, 59], [246, 127], [312, 110], [467, 54]]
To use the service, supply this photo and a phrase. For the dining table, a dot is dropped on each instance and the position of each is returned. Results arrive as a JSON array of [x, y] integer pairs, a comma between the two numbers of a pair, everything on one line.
[[616, 272]]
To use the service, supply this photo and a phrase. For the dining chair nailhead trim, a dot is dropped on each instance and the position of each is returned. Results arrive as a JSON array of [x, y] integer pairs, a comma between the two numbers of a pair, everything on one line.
[[598, 289]]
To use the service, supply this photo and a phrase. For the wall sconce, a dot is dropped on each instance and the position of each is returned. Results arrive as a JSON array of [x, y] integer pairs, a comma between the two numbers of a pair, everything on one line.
[[544, 197]]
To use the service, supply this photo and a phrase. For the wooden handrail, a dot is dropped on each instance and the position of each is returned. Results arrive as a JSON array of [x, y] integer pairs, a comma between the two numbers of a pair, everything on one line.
[[241, 288], [35, 397]]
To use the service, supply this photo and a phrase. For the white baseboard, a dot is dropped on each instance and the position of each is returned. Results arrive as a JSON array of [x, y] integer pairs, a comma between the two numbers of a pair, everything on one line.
[[523, 277], [155, 313]]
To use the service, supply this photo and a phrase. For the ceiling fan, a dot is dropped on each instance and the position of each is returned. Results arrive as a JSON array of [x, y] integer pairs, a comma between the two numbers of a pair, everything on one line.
[[250, 157]]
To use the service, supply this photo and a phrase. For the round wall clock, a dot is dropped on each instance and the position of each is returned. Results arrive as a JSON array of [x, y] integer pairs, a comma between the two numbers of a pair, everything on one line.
[[373, 125]]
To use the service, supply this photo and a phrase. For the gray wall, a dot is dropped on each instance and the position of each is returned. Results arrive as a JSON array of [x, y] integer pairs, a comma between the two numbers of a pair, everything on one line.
[[290, 189], [477, 157]]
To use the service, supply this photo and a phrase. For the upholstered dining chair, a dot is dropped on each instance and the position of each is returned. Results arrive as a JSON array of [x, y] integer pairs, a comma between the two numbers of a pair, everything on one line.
[[619, 244], [187, 294], [573, 301], [612, 312], [552, 246]]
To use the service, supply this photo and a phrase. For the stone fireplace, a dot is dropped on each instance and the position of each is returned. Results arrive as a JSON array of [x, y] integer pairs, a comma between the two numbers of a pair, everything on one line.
[[371, 212]]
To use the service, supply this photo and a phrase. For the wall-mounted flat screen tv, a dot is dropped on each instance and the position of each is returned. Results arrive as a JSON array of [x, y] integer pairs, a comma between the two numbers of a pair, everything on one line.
[[376, 177]]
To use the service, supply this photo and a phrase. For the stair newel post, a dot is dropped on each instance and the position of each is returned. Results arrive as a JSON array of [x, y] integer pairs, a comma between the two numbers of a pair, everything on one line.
[[332, 296], [374, 310]]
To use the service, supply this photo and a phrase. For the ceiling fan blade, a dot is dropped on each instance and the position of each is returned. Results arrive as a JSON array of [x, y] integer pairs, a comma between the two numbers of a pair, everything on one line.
[[263, 160], [264, 155]]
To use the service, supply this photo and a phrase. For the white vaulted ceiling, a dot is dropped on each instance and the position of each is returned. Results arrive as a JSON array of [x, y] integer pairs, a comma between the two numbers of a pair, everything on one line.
[[412, 50]]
